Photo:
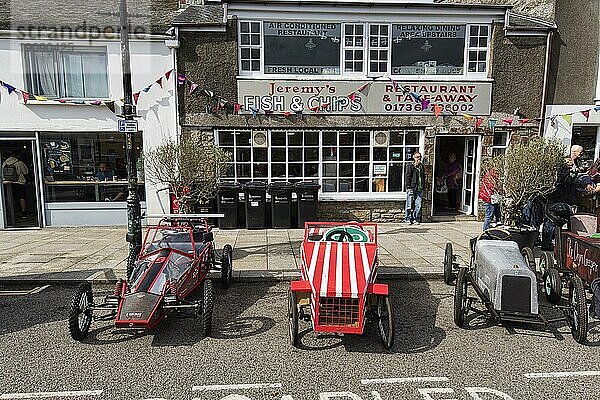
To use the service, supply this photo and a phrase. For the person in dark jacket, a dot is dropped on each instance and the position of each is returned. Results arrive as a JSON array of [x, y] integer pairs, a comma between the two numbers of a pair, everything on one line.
[[414, 184]]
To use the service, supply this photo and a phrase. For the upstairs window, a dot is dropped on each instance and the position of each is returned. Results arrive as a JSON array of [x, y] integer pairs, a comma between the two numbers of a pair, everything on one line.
[[250, 46], [354, 48], [66, 72], [478, 45], [379, 48]]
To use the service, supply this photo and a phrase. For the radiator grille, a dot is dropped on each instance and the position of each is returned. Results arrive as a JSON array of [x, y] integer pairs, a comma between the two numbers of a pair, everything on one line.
[[516, 294], [338, 311]]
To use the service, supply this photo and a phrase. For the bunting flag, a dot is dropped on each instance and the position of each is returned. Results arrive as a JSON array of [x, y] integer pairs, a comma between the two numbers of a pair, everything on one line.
[[492, 123], [352, 96], [586, 114], [299, 115], [424, 104], [237, 107], [395, 84], [193, 87], [268, 112], [168, 74], [315, 109], [478, 122], [523, 121], [437, 109], [40, 98], [181, 79], [147, 89], [286, 114], [415, 97], [254, 112], [568, 118], [507, 121], [468, 117], [136, 97], [208, 93], [325, 105], [96, 102], [597, 108], [25, 96], [364, 86], [159, 81], [8, 87], [110, 105]]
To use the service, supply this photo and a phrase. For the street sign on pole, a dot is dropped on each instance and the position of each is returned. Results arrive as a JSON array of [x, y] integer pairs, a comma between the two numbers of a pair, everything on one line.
[[128, 126]]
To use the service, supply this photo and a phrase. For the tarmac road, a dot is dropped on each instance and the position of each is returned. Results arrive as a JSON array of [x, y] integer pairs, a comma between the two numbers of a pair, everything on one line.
[[249, 353]]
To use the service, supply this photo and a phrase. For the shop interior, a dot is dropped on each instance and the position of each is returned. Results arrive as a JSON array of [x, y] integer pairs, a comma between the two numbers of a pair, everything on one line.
[[443, 192], [14, 215]]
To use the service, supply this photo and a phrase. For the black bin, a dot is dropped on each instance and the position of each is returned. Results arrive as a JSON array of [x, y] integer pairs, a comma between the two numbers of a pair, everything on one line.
[[227, 201], [308, 195], [281, 204], [256, 204]]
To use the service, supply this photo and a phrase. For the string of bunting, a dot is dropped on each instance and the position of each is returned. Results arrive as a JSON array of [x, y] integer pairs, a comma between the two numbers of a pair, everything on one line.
[[27, 96]]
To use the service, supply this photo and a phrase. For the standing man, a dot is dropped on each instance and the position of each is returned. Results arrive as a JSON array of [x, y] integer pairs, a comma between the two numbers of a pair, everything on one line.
[[414, 184], [14, 171], [486, 190], [574, 161]]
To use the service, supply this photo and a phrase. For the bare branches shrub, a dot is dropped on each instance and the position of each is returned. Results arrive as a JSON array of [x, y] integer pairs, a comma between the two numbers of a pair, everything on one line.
[[190, 168], [524, 173]]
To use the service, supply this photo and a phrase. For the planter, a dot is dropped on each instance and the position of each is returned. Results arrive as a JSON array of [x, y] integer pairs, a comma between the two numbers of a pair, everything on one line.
[[525, 237]]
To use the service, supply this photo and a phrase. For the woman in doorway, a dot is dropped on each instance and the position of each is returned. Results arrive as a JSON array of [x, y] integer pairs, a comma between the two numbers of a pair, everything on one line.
[[453, 177]]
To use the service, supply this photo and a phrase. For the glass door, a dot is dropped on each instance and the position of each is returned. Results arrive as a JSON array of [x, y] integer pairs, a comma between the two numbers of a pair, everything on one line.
[[469, 175], [19, 195]]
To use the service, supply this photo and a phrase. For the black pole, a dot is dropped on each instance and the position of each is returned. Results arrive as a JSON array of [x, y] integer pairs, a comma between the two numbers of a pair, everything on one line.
[[134, 218]]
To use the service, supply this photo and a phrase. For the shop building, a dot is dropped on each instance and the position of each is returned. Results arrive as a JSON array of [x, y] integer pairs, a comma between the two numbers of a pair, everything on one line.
[[572, 113], [343, 93], [60, 95]]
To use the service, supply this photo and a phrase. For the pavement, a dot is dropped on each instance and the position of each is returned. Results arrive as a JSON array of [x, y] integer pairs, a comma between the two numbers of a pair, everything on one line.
[[98, 254]]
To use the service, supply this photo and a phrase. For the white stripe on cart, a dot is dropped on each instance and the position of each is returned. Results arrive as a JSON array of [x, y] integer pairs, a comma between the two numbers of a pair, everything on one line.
[[353, 284], [325, 274]]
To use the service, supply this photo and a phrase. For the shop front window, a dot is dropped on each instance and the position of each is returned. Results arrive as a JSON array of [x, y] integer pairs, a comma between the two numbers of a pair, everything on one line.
[[341, 161], [87, 167]]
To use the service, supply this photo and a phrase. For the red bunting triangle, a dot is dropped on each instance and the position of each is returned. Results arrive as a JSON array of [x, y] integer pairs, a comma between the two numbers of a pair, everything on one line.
[[136, 96], [478, 122], [437, 109], [237, 107], [523, 120], [325, 105], [159, 81], [286, 113], [25, 96], [363, 87], [168, 74], [315, 109], [586, 114], [507, 121]]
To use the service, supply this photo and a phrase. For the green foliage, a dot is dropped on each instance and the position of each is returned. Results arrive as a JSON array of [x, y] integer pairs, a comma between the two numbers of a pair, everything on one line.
[[525, 172], [190, 168]]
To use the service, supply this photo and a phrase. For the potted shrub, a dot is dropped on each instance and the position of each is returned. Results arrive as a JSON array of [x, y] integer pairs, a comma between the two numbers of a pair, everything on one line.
[[525, 172], [190, 168]]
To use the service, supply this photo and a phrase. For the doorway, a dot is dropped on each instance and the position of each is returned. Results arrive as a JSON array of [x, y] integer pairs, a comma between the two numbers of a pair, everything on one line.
[[455, 175], [19, 197]]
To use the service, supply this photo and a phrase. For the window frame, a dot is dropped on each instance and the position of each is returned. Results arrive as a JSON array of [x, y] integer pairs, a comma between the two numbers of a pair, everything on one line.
[[251, 46], [60, 80], [469, 48], [363, 48], [502, 149]]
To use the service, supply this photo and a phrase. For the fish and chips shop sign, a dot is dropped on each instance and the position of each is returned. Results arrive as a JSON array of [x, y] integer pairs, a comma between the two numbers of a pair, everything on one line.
[[378, 97]]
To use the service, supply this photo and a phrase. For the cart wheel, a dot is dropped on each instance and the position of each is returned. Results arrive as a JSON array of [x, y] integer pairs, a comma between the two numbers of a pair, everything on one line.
[[546, 261], [529, 258], [207, 307], [448, 264], [227, 266], [578, 317], [385, 321], [293, 318], [552, 285], [80, 317], [461, 301]]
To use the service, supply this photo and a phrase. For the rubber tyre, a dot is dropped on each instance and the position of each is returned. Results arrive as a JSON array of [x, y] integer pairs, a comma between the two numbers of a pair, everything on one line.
[[227, 266], [385, 322], [448, 265], [293, 318], [460, 298], [546, 261], [552, 286], [578, 313], [529, 258], [207, 307], [79, 319]]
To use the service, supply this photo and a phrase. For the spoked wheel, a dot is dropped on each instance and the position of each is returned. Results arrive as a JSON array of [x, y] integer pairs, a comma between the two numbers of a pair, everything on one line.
[[80, 316], [546, 261], [577, 313], [461, 301], [552, 285], [385, 321], [448, 264], [227, 266], [529, 258], [293, 318], [206, 311]]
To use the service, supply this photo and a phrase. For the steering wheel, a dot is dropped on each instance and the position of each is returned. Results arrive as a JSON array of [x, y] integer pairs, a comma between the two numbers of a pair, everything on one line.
[[342, 234], [495, 234]]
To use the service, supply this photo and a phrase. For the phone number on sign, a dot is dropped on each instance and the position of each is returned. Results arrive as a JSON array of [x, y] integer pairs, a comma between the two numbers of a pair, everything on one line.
[[418, 107]]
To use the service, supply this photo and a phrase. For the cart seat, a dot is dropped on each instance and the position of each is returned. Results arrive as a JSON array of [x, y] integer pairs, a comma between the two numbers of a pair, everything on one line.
[[583, 224]]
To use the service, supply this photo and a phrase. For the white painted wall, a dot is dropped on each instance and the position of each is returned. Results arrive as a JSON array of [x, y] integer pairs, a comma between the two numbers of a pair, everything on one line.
[[561, 129], [150, 59]]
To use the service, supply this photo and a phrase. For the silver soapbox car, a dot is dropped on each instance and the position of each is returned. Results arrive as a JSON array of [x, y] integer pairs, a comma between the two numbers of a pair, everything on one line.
[[504, 283]]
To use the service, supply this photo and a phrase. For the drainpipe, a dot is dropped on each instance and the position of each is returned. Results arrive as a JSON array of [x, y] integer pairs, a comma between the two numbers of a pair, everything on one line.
[[549, 40], [175, 86]]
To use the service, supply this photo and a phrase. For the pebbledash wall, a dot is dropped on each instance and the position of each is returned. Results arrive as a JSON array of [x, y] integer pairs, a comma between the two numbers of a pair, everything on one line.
[[237, 58]]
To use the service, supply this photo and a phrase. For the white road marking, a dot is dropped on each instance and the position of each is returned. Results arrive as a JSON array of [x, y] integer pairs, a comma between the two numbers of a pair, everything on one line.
[[35, 290], [411, 379], [564, 374], [43, 395], [235, 387]]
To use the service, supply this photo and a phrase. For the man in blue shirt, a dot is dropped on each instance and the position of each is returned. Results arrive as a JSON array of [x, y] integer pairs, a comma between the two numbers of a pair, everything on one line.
[[104, 174]]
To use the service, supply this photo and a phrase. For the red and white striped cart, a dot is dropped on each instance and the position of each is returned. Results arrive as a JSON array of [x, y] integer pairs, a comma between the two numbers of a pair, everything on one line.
[[339, 268]]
